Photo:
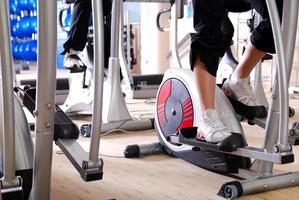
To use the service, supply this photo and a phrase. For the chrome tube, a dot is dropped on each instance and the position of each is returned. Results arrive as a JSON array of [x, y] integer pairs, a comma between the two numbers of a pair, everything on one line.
[[45, 99], [115, 22], [289, 32], [124, 63], [174, 35], [8, 95], [282, 73], [98, 24]]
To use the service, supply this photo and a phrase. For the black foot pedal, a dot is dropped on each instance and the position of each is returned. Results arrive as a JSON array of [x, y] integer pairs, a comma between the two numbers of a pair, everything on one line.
[[249, 112], [64, 128], [230, 144], [267, 57], [77, 69]]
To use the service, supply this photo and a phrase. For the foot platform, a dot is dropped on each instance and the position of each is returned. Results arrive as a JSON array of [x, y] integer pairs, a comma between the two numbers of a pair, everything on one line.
[[77, 69], [230, 144], [249, 112], [64, 127]]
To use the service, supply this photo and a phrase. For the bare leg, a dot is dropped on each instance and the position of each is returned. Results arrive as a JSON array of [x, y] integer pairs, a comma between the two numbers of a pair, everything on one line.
[[248, 61], [205, 83], [238, 87], [210, 126]]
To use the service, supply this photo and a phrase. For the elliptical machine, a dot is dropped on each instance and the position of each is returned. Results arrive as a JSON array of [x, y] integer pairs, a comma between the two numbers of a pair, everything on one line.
[[177, 111], [33, 165], [115, 112]]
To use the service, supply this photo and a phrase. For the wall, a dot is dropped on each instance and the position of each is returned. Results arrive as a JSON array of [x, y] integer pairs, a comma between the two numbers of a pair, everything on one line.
[[154, 44]]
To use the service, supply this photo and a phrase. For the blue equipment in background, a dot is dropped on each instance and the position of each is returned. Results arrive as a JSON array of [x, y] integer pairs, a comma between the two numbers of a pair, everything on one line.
[[23, 26]]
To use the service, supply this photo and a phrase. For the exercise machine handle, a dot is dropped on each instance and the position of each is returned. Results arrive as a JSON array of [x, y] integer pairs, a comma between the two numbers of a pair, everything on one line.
[[60, 14], [160, 28]]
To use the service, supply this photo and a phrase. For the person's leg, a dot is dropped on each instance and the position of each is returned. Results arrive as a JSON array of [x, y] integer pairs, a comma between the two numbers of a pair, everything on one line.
[[206, 49], [205, 83], [248, 61], [77, 36], [210, 127], [261, 42], [238, 85]]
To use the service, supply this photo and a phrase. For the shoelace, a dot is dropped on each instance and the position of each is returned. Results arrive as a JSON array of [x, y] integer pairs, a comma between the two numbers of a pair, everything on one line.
[[214, 124]]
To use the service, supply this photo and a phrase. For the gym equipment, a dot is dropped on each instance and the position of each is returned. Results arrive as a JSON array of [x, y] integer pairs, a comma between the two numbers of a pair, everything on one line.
[[139, 86], [17, 152], [65, 24], [228, 64], [31, 4], [19, 156], [79, 99], [114, 117], [178, 109], [25, 5], [13, 8]]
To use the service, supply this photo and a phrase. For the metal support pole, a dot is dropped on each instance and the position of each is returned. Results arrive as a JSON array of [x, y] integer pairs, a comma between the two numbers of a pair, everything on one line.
[[115, 22], [174, 34], [237, 189], [98, 80], [45, 99], [124, 64], [289, 32], [282, 74], [8, 98], [258, 86], [113, 96], [274, 134]]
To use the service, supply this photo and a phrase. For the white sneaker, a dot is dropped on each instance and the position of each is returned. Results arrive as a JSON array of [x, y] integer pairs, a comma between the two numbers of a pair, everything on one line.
[[73, 62], [211, 128], [240, 90]]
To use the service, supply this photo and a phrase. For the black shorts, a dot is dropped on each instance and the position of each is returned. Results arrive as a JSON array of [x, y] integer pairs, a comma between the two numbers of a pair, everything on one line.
[[214, 31]]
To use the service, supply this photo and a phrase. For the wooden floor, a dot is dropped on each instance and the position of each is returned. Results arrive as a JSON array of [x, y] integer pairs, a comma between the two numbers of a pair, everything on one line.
[[158, 177]]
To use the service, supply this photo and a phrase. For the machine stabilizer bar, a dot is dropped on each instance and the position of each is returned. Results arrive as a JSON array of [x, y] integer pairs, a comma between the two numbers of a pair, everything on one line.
[[232, 190], [135, 151]]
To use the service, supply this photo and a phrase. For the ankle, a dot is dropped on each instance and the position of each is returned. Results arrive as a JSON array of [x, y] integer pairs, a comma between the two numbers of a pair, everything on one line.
[[208, 110], [236, 77]]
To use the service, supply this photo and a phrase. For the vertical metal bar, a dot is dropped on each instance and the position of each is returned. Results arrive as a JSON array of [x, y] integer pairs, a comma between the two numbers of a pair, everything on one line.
[[45, 99], [174, 34], [273, 133], [258, 86], [115, 21], [128, 35], [282, 74], [290, 20], [8, 96], [124, 65], [98, 24]]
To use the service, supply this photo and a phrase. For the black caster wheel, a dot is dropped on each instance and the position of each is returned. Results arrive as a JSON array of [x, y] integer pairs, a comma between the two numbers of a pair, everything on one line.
[[291, 112], [85, 130]]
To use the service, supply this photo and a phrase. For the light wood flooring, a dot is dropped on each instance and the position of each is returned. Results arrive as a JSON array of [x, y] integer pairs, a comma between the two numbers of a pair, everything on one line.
[[157, 177]]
